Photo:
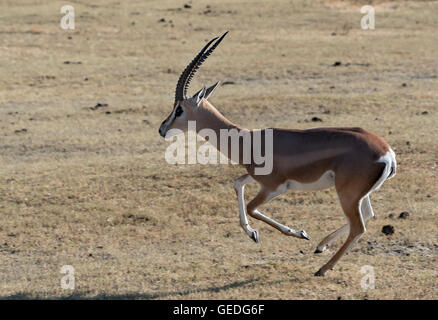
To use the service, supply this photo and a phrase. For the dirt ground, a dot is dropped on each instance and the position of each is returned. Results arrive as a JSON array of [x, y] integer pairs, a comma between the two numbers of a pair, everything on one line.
[[84, 182]]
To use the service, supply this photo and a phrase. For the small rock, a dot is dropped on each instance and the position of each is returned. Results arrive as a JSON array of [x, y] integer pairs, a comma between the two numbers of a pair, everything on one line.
[[72, 62], [388, 229], [99, 105], [404, 215]]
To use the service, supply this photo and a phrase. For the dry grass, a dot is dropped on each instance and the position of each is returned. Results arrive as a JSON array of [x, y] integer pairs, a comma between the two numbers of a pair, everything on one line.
[[91, 188]]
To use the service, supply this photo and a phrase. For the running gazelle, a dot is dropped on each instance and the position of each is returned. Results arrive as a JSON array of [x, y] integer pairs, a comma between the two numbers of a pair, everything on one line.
[[353, 160]]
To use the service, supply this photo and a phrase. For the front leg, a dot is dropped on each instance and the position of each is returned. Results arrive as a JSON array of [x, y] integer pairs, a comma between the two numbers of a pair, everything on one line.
[[239, 186], [262, 197]]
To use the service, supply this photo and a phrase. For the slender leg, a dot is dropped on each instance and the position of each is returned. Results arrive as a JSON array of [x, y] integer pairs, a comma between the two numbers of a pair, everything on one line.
[[327, 241], [239, 186], [262, 197], [357, 228], [365, 209], [366, 212], [354, 198]]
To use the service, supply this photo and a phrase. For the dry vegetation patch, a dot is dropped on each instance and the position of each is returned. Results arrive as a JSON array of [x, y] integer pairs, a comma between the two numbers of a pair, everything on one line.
[[83, 180]]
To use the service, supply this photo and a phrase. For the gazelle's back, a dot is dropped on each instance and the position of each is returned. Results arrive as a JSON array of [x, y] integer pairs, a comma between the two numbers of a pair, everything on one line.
[[329, 140]]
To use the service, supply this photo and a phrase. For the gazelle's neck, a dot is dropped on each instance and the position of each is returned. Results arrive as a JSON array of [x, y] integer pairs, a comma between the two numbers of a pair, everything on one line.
[[210, 118]]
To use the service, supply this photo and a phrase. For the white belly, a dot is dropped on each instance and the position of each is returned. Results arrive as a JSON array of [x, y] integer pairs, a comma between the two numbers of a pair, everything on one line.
[[326, 181]]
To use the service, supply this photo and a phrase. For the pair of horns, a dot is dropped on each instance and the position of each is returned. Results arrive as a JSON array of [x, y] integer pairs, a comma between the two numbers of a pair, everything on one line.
[[188, 73]]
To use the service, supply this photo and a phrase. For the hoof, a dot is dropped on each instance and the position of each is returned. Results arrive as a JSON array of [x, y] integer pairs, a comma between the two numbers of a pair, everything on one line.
[[319, 273], [318, 250], [255, 236], [304, 235]]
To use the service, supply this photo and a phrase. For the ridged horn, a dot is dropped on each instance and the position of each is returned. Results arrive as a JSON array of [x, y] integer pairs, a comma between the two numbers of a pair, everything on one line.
[[188, 73]]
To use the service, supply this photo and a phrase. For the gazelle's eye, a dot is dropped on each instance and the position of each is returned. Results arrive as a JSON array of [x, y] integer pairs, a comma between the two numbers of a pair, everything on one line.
[[178, 111]]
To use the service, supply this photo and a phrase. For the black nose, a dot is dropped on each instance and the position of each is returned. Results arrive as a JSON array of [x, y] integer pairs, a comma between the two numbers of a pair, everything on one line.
[[161, 132]]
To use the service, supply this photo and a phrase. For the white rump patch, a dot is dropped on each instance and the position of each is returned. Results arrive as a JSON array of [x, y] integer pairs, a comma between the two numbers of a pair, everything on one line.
[[390, 169]]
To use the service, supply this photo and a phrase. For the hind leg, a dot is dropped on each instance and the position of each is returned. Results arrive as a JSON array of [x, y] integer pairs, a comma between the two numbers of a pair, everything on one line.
[[365, 209], [367, 213], [352, 189], [327, 241], [356, 229]]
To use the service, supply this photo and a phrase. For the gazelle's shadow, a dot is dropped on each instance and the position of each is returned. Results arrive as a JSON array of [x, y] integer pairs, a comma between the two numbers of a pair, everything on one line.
[[130, 296]]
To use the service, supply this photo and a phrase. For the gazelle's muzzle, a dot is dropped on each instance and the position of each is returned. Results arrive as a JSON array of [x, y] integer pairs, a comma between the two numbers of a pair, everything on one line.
[[163, 128]]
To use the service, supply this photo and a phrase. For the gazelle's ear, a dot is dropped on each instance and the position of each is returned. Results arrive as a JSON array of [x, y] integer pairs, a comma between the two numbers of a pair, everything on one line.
[[210, 90], [198, 96]]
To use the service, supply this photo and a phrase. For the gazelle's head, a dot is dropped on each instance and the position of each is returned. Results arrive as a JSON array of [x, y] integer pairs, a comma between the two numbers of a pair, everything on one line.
[[185, 108]]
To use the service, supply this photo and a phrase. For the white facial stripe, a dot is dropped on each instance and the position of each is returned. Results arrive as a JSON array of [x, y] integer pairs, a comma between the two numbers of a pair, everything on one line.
[[171, 118]]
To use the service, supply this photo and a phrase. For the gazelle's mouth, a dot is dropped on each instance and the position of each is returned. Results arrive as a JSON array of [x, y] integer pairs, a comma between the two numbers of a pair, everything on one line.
[[162, 131]]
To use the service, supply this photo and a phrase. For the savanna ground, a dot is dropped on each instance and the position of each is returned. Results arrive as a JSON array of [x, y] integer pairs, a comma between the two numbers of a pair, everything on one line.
[[89, 186]]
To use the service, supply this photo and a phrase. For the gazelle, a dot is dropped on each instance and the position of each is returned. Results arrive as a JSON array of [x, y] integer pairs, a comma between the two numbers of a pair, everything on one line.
[[353, 160]]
